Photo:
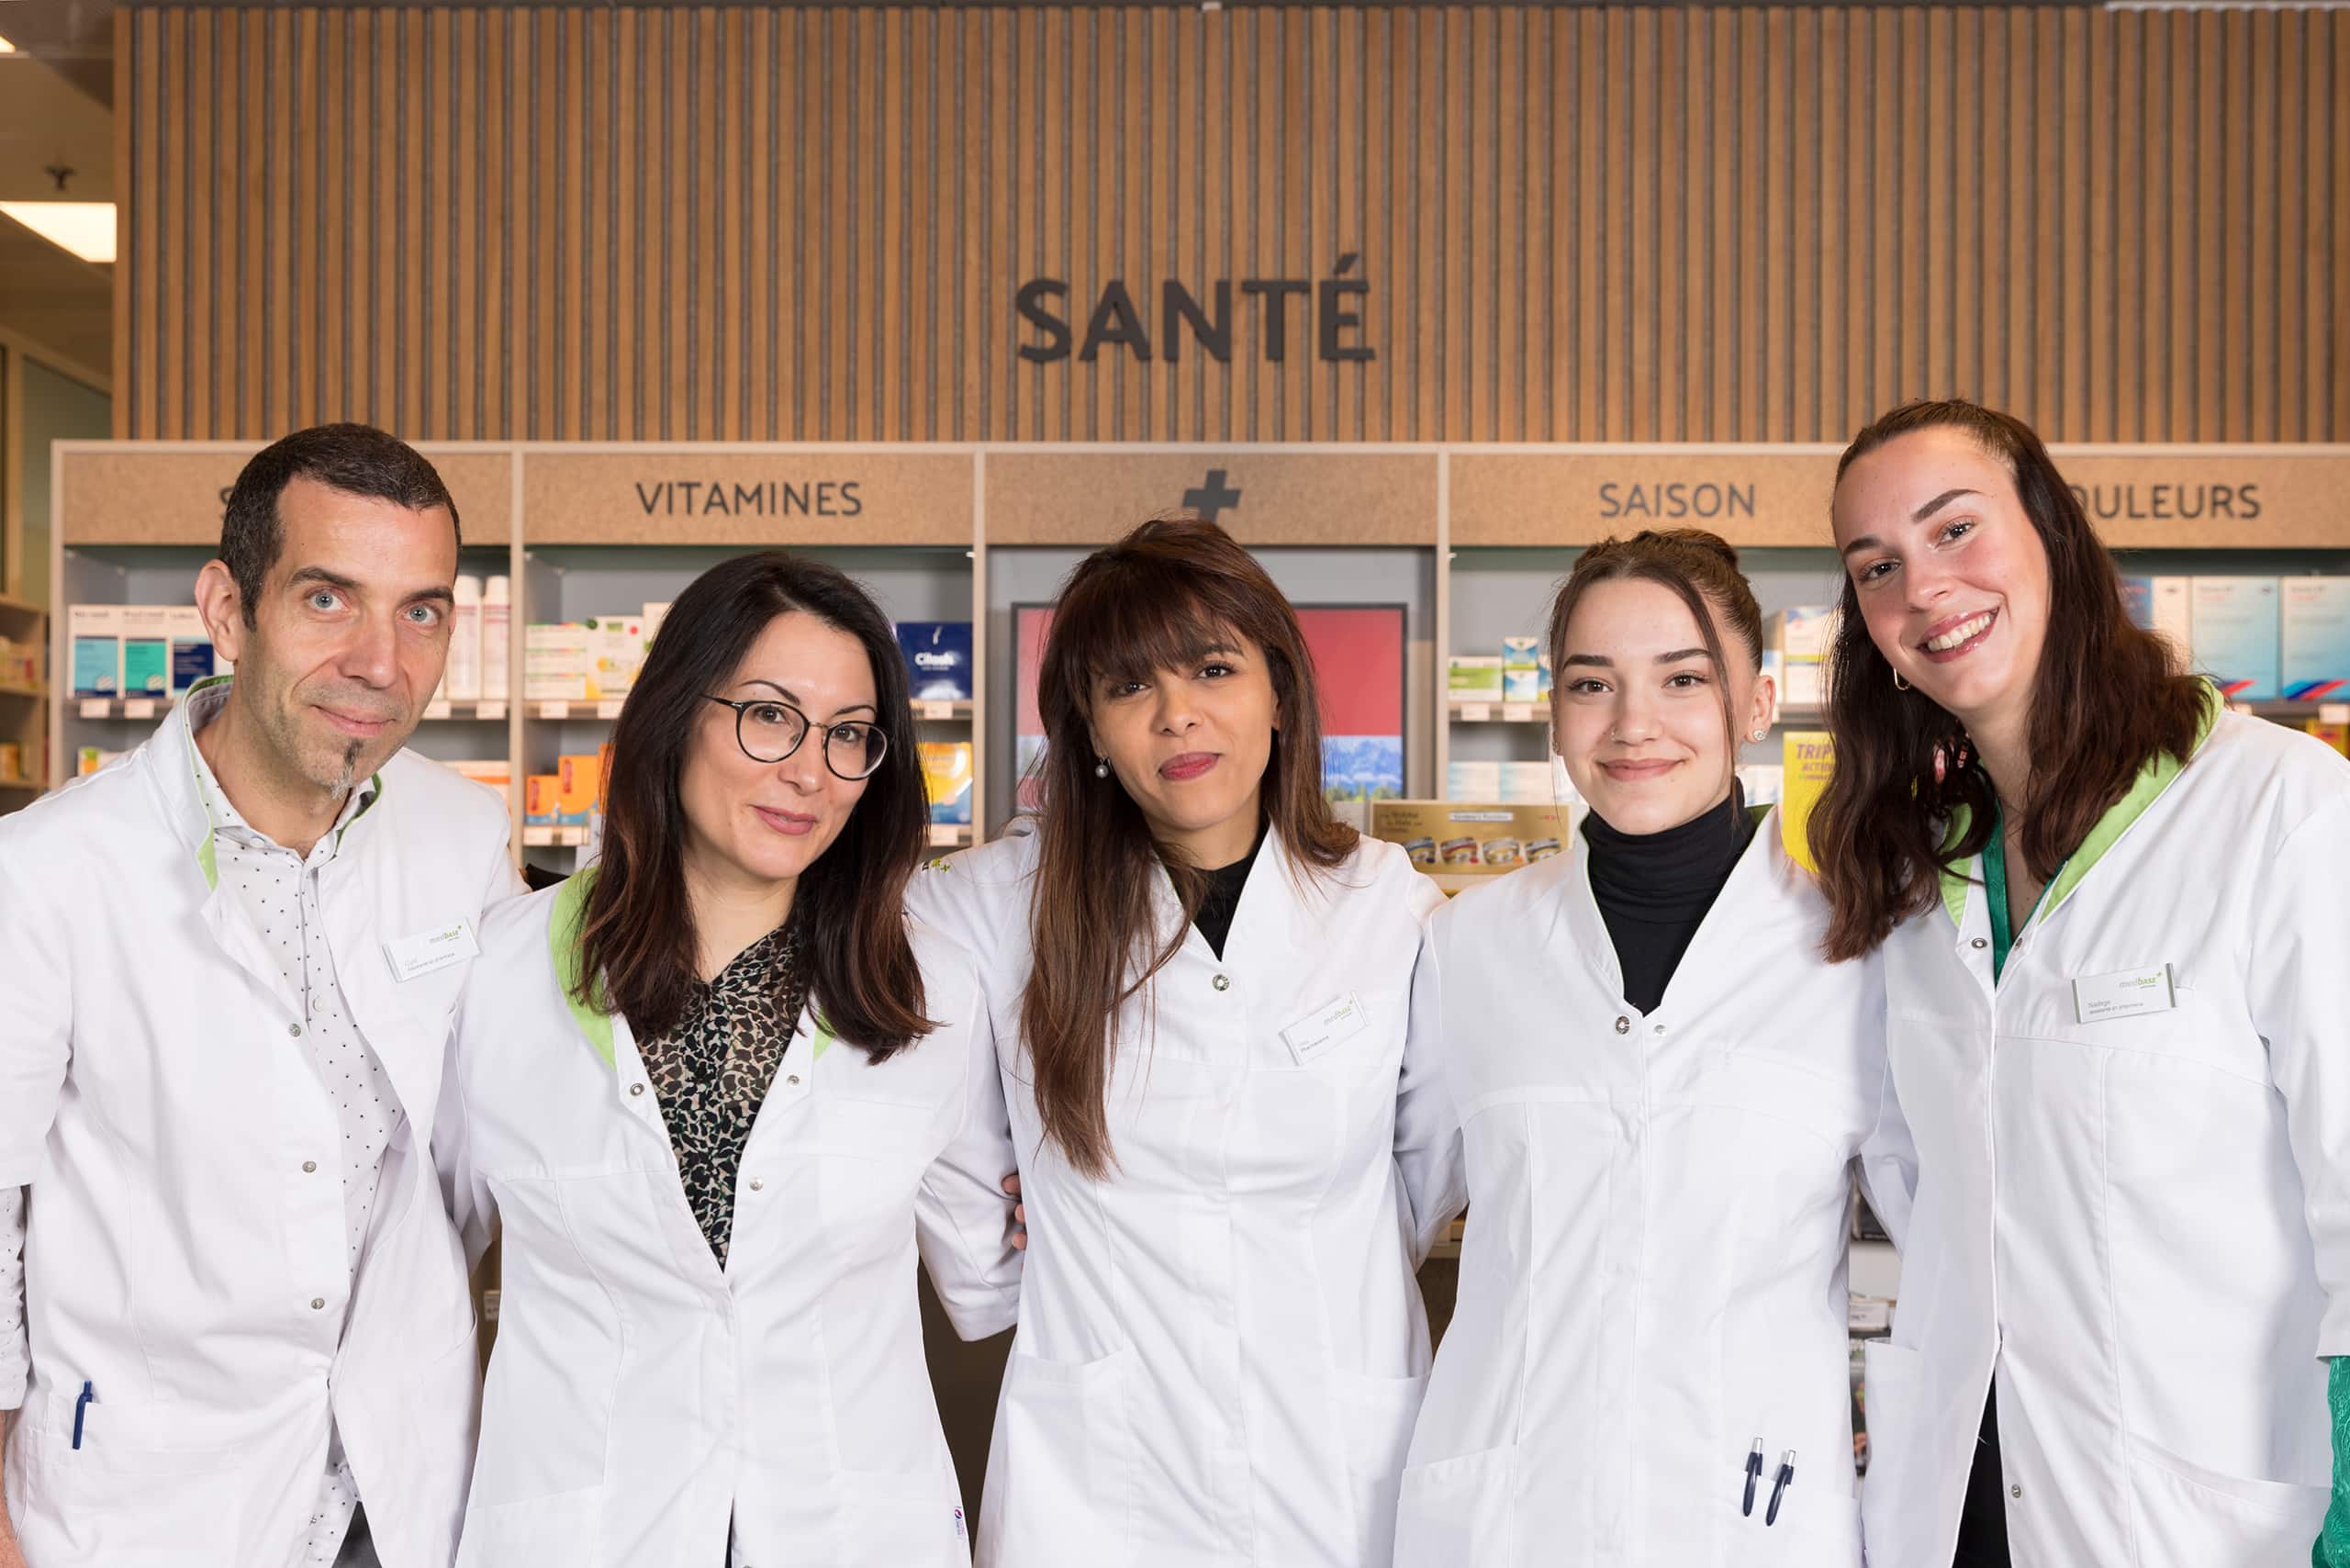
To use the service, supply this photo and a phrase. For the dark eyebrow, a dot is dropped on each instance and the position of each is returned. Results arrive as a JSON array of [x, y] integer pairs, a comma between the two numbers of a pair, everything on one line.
[[323, 578], [1596, 661], [1930, 508], [797, 702], [1679, 653]]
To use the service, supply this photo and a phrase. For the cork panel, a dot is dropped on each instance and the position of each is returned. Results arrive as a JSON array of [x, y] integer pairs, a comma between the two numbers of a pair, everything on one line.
[[1774, 498], [672, 495], [2188, 500], [174, 496], [146, 497], [1288, 498]]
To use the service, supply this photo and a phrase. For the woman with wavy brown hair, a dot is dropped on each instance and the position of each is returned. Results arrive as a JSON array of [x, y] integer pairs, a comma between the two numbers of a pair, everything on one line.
[[1231, 1159], [2110, 917]]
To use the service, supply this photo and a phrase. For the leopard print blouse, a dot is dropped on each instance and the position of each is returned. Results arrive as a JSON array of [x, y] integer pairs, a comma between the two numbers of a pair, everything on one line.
[[712, 1072]]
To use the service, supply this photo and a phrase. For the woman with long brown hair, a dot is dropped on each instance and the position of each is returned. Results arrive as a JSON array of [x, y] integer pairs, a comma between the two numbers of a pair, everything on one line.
[[718, 1092], [2111, 920], [1661, 1087], [1231, 1161]]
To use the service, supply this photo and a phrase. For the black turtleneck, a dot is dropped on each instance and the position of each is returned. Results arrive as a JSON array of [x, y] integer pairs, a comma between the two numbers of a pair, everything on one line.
[[1222, 898], [1654, 889]]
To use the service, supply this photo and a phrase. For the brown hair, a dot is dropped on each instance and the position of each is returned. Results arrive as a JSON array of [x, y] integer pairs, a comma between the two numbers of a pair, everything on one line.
[[637, 942], [1163, 596], [1701, 567], [2109, 697]]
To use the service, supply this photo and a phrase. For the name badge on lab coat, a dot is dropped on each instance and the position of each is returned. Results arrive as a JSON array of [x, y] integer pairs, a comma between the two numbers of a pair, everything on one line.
[[2124, 994], [429, 950], [1328, 1025]]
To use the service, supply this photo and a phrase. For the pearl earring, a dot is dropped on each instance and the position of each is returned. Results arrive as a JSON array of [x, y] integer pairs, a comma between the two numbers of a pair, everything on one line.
[[1102, 768], [1762, 734]]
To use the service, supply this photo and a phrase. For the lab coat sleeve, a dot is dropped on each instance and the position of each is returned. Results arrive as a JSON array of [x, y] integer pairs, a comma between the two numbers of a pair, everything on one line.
[[1428, 1132], [1888, 1156], [2300, 929], [962, 1215], [16, 1351]]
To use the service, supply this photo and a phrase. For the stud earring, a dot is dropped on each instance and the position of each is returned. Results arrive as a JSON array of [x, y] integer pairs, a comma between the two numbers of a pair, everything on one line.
[[1761, 736], [1102, 768]]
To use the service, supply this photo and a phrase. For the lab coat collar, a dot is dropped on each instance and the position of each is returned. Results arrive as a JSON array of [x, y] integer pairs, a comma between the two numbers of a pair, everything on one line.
[[2152, 779], [175, 766], [604, 1031], [1262, 922], [1764, 855]]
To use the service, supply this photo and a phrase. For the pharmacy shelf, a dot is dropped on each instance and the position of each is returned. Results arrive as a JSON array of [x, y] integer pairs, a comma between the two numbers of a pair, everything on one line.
[[23, 786], [38, 693], [536, 836], [951, 835]]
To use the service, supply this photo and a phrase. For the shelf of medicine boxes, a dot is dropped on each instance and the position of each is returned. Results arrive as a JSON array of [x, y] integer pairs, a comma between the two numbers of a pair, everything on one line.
[[564, 581], [24, 708]]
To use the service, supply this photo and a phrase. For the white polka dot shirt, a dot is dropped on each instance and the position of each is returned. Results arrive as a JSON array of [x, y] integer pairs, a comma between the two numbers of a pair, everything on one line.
[[278, 891]]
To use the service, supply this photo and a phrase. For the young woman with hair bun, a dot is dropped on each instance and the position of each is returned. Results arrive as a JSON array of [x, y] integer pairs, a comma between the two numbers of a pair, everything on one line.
[[1662, 1086]]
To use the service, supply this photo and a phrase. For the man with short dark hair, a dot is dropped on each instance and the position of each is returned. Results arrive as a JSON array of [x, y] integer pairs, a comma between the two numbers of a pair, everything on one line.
[[246, 1324]]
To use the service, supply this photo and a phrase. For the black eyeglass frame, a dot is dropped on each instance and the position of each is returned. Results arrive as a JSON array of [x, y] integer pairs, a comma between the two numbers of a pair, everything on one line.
[[807, 726]]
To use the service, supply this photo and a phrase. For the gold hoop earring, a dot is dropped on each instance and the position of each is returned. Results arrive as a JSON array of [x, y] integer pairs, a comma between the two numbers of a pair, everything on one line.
[[1899, 684]]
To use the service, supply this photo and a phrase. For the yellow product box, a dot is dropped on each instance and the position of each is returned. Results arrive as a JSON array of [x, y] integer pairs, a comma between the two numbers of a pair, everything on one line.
[[582, 782], [946, 780], [542, 799], [616, 648], [1810, 757], [1449, 836], [2336, 735]]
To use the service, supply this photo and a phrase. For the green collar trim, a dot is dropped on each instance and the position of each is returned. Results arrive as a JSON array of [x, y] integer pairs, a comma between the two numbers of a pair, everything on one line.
[[207, 856], [563, 944], [2152, 779]]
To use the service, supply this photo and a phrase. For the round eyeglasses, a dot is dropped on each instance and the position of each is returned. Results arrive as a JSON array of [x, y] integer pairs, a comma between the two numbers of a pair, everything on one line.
[[770, 730]]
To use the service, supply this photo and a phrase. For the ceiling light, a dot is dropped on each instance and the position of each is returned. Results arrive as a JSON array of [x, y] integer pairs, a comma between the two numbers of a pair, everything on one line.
[[84, 227]]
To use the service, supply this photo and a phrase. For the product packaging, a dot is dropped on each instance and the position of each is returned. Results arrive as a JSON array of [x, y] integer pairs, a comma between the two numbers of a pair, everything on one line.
[[938, 659], [2236, 640], [947, 778], [2314, 640], [580, 786], [1474, 678], [96, 640], [145, 651]]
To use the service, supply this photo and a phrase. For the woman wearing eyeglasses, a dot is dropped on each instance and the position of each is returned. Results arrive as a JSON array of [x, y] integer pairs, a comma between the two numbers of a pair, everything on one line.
[[718, 1090]]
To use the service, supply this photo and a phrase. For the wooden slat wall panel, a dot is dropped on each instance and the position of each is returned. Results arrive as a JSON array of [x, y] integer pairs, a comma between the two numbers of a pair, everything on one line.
[[1588, 224]]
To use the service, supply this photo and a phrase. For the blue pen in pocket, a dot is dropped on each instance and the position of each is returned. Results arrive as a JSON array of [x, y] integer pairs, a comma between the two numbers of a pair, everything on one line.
[[79, 1405]]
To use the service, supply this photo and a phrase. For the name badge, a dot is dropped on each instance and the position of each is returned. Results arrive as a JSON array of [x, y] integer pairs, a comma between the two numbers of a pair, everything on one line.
[[429, 950], [1329, 1025], [2124, 994]]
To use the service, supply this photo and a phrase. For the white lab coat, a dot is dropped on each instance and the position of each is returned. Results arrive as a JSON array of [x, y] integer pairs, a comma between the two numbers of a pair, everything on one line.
[[1652, 1277], [2146, 1218], [640, 1399], [1222, 1346], [179, 1237]]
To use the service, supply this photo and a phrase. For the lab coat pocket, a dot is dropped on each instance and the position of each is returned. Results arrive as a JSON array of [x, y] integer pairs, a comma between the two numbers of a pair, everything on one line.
[[1812, 1531], [541, 1532], [899, 1519], [2188, 1517], [1459, 1513], [1785, 1091], [1378, 1412], [135, 1508], [1062, 1485]]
